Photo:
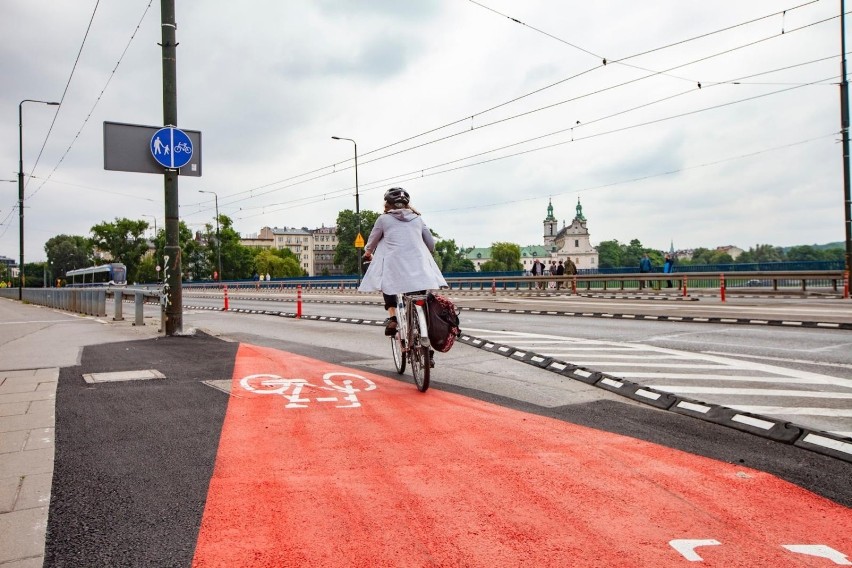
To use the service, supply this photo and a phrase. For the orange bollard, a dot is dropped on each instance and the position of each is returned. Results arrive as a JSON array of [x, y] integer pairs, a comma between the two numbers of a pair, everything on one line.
[[493, 286], [574, 286], [684, 285], [226, 298], [846, 285], [722, 286], [298, 301]]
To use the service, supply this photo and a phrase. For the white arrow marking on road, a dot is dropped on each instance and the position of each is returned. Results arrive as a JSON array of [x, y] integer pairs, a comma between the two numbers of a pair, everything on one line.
[[820, 551], [686, 547]]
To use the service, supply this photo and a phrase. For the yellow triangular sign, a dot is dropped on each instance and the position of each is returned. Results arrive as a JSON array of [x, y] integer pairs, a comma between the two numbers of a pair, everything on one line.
[[359, 241]]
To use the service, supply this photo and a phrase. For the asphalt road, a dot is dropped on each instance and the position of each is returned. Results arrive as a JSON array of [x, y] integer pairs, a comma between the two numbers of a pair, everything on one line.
[[794, 373], [499, 464]]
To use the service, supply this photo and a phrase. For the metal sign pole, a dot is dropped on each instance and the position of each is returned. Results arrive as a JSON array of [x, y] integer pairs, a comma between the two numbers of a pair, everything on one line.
[[174, 296]]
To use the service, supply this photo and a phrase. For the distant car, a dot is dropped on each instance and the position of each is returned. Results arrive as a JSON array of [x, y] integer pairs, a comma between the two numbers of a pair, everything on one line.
[[757, 283]]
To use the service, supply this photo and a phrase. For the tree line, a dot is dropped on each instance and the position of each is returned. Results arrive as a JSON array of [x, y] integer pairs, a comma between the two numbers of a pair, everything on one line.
[[123, 240]]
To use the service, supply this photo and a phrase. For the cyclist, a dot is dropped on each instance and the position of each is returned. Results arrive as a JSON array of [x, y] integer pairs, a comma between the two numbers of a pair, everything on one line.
[[400, 246]]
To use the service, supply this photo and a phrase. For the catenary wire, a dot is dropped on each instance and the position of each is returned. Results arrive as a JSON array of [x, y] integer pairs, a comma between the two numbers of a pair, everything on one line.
[[97, 101], [67, 85], [549, 146], [466, 118], [229, 199]]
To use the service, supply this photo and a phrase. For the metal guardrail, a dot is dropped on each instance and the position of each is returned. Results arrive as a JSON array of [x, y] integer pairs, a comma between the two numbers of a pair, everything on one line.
[[88, 301], [759, 281]]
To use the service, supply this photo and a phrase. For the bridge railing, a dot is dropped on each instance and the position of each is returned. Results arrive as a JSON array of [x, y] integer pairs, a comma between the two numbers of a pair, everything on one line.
[[754, 282], [89, 301]]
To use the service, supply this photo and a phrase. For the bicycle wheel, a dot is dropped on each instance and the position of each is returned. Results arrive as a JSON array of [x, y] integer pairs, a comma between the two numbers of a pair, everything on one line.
[[398, 354], [419, 356]]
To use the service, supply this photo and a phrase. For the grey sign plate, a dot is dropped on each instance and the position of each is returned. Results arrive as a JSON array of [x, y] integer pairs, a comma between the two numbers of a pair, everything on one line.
[[127, 148]]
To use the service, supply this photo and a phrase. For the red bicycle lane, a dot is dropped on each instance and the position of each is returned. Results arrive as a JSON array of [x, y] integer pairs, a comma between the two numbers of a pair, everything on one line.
[[393, 477]]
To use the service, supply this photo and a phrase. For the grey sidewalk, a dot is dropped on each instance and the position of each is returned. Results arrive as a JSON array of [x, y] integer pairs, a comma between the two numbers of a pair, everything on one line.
[[27, 401], [35, 342]]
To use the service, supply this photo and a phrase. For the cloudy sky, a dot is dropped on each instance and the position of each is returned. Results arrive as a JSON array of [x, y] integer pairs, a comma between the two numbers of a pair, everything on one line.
[[484, 110]]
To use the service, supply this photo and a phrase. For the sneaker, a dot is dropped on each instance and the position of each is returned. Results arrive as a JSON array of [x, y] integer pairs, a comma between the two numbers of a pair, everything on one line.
[[390, 326]]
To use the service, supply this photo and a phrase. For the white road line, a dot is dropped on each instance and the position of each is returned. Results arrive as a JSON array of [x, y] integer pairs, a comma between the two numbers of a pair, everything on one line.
[[732, 378], [781, 359], [600, 365], [752, 392], [795, 411]]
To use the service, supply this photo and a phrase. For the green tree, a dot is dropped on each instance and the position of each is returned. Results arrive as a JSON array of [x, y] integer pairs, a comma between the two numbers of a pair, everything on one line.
[[346, 255], [281, 263], [805, 253], [632, 254], [504, 257], [610, 254], [67, 252], [237, 259], [451, 258], [124, 241], [193, 260], [762, 253]]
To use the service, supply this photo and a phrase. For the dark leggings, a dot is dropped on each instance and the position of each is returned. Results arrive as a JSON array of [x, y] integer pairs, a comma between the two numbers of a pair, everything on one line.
[[391, 299]]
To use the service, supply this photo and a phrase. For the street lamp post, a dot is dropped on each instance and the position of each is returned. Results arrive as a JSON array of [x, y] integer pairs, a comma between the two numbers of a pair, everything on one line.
[[156, 260], [21, 186], [357, 204], [218, 240]]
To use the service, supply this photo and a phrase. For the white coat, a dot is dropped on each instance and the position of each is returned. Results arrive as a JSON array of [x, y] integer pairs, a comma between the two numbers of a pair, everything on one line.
[[402, 247]]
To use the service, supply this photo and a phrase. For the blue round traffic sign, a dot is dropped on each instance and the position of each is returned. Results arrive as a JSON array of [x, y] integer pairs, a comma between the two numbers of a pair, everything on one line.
[[171, 147]]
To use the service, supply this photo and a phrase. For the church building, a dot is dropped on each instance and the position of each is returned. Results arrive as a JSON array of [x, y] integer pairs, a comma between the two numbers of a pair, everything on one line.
[[572, 241]]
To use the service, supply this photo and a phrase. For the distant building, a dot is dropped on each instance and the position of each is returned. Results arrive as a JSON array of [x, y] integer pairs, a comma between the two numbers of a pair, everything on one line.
[[572, 241], [731, 250], [314, 248]]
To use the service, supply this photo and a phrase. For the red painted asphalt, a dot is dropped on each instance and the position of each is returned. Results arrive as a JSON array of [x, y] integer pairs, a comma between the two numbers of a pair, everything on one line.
[[392, 477]]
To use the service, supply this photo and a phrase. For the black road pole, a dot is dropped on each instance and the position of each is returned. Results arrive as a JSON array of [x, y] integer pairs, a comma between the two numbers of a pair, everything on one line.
[[844, 123], [174, 297]]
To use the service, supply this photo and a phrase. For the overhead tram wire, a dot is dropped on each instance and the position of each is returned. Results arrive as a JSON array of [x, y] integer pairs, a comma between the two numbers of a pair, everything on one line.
[[539, 109], [469, 117], [420, 172], [646, 177], [67, 84], [97, 100], [587, 123]]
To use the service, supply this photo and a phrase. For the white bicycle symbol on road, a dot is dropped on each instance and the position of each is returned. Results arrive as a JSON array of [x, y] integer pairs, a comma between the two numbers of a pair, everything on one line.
[[291, 389]]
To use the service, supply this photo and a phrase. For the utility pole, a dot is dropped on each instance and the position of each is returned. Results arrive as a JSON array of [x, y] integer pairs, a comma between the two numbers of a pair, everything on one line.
[[844, 123], [174, 297]]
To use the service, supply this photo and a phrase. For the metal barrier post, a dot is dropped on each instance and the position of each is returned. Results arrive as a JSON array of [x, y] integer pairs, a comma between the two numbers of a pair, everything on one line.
[[118, 298], [100, 303], [140, 308]]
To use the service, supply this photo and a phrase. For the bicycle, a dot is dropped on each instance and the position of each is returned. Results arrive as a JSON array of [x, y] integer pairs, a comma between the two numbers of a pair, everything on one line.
[[410, 343]]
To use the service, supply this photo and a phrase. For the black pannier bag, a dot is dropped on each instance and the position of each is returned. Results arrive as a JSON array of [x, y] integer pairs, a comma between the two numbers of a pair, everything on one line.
[[443, 322]]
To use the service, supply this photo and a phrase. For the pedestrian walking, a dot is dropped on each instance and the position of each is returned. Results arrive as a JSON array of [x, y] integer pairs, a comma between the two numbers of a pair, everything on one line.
[[644, 268], [668, 268]]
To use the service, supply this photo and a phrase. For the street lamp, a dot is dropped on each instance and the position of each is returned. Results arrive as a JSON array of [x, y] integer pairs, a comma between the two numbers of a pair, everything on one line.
[[218, 240], [21, 185], [156, 260], [357, 204]]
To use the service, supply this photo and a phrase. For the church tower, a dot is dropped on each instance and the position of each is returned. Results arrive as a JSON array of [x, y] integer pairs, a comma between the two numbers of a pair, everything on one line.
[[551, 226], [574, 242]]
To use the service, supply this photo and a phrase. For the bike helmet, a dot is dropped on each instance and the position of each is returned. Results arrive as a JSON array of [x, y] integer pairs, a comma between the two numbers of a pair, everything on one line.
[[397, 197]]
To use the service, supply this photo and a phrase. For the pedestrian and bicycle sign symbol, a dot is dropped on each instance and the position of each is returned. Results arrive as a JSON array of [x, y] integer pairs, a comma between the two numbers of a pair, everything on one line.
[[171, 147]]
